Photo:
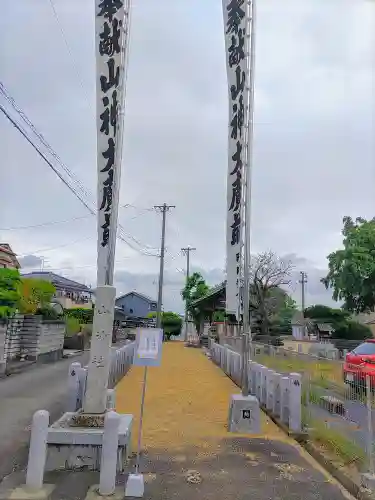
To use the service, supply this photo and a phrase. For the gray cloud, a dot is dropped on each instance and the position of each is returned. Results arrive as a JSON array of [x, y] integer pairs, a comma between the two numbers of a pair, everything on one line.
[[30, 261], [314, 140]]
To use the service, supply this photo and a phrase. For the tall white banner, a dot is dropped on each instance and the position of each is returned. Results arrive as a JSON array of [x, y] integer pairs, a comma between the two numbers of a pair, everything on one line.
[[235, 29], [109, 40]]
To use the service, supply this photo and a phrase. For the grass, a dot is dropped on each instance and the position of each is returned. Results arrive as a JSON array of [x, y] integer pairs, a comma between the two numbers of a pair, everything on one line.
[[346, 450], [323, 373]]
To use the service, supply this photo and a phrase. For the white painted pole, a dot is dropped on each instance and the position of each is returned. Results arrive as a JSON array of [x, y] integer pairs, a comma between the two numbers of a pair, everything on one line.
[[108, 464], [73, 386], [111, 399], [37, 450]]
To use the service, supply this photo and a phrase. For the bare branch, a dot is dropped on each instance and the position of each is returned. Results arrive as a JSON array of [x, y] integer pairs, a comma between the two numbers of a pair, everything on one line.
[[267, 270]]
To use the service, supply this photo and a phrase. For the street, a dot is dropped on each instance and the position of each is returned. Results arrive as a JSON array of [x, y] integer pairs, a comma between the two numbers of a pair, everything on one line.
[[39, 387]]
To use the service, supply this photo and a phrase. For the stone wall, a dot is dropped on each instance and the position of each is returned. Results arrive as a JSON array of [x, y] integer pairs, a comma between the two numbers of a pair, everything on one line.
[[31, 337]]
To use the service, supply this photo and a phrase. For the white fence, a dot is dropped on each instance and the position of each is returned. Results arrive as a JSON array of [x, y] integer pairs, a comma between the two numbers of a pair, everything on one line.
[[121, 361], [279, 394]]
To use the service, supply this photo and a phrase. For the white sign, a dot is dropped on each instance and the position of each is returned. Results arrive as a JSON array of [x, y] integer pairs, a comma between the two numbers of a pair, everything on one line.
[[148, 347], [235, 29], [109, 28], [148, 344]]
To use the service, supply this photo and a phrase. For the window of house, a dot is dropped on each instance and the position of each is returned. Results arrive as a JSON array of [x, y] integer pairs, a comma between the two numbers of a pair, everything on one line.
[[131, 311]]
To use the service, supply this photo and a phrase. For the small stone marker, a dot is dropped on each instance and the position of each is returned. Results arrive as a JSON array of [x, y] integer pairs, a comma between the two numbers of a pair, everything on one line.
[[244, 414]]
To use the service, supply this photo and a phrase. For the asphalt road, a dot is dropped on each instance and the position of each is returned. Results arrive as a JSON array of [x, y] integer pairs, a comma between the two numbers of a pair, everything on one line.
[[39, 387]]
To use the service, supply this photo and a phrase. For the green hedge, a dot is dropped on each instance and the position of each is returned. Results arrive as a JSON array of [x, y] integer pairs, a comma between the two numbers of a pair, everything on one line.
[[84, 316]]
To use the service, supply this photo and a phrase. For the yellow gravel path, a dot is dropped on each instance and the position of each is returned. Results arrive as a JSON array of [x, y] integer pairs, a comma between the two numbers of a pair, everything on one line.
[[187, 401]]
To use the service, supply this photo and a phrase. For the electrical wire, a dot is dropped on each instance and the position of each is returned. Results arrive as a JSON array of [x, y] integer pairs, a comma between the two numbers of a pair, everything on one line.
[[44, 224], [120, 232], [50, 249], [70, 52]]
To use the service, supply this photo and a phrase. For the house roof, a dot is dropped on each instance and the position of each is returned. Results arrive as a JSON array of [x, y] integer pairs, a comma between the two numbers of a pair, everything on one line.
[[141, 295], [6, 248], [58, 281]]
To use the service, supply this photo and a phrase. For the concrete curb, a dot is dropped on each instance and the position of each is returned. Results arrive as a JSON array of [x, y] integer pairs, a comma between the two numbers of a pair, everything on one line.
[[300, 437], [338, 474]]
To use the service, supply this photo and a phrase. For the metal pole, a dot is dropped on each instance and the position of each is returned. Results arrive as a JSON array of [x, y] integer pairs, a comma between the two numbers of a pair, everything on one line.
[[141, 420], [187, 251], [370, 435], [164, 209], [246, 340]]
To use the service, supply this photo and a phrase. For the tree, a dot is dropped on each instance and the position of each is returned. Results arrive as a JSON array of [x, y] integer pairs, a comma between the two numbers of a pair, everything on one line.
[[344, 326], [170, 322], [268, 273], [351, 273], [325, 314], [281, 324], [9, 291], [34, 294], [195, 288]]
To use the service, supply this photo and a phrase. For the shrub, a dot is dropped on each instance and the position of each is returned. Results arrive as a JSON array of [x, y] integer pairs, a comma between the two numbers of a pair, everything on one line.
[[48, 312], [73, 326], [82, 314]]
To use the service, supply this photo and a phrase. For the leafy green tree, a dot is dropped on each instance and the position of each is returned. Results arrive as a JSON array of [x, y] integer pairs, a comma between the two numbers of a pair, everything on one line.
[[281, 324], [9, 291], [34, 294], [344, 326], [195, 288], [351, 274], [325, 314], [170, 322]]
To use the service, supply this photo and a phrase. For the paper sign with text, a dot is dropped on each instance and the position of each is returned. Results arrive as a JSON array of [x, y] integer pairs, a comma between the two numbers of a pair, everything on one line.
[[148, 347]]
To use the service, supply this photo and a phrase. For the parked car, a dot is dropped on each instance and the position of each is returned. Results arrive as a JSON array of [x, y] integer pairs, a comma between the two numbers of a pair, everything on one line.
[[359, 363]]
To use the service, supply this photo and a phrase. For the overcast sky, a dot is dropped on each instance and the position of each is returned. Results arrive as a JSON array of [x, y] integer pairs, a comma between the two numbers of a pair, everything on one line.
[[314, 136]]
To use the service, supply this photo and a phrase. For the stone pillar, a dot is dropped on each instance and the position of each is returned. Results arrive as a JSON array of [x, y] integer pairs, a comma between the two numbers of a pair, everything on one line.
[[276, 398], [295, 403], [284, 399], [100, 352], [270, 389]]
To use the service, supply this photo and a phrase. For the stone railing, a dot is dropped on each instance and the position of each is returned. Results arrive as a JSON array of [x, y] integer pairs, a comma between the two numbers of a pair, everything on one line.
[[121, 361], [280, 395]]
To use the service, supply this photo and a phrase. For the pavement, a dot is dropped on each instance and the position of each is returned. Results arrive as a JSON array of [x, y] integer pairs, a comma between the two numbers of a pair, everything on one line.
[[39, 387], [187, 451]]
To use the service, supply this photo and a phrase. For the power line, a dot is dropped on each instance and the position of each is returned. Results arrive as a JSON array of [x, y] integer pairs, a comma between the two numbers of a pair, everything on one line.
[[70, 52], [83, 193]]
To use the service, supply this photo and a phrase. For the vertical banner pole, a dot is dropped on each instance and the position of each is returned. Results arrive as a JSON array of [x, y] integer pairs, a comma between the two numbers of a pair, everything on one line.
[[248, 171], [111, 34]]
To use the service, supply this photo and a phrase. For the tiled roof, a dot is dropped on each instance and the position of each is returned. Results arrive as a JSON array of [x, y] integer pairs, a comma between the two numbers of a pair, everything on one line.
[[141, 295], [58, 281]]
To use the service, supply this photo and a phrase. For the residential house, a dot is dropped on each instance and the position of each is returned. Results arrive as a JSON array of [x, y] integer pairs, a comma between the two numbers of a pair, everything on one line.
[[367, 319], [8, 258], [69, 293], [136, 305]]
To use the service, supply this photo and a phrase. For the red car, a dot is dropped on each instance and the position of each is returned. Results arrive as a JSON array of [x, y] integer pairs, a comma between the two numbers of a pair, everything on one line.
[[359, 363]]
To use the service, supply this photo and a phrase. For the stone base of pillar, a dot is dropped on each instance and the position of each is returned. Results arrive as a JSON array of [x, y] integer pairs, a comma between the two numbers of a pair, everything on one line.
[[93, 494], [244, 414], [72, 447], [25, 493]]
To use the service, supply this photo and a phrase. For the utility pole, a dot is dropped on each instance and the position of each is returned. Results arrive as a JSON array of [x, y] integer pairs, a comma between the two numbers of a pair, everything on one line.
[[163, 209], [303, 282], [186, 251]]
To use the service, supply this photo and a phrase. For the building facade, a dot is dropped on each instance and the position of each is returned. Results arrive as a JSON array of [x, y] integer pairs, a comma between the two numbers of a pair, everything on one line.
[[8, 258], [68, 293], [136, 305]]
